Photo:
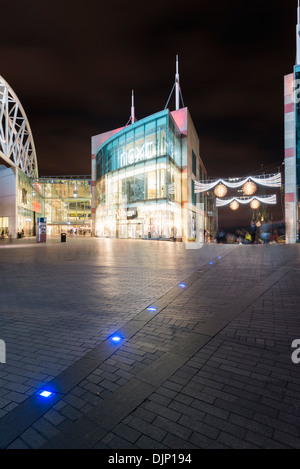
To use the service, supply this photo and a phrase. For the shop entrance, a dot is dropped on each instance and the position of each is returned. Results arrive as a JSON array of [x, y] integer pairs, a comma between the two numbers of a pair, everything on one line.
[[71, 230], [130, 230]]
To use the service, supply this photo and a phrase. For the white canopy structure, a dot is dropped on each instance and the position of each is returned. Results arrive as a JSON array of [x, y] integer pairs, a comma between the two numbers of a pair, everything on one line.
[[271, 199], [273, 180], [16, 141]]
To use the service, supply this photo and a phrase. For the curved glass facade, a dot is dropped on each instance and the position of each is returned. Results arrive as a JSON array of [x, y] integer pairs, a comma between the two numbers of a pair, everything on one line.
[[138, 188]]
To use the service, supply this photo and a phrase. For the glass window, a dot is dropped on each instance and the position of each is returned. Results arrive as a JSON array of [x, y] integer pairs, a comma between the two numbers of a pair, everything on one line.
[[139, 144], [194, 198], [100, 167], [72, 189], [162, 182], [121, 152], [109, 157], [140, 186], [81, 189], [150, 140], [128, 189], [130, 153], [151, 176], [64, 189], [161, 136], [194, 163], [73, 211], [114, 164], [56, 189]]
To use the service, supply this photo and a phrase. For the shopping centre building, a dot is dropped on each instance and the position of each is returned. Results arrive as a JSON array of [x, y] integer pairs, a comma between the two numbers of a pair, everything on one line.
[[142, 184], [143, 179]]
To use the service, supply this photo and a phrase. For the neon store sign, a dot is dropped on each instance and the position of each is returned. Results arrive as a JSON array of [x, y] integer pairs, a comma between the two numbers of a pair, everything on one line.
[[144, 152]]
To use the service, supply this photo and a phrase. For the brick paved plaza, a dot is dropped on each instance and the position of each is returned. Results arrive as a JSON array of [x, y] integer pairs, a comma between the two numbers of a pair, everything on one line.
[[211, 367]]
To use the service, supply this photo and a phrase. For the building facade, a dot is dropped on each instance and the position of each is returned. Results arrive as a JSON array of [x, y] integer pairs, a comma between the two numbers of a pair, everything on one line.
[[292, 145], [24, 197], [18, 165], [66, 204], [20, 203], [143, 178]]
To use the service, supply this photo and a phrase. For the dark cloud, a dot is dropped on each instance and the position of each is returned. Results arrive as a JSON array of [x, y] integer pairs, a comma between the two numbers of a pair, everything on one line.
[[73, 65]]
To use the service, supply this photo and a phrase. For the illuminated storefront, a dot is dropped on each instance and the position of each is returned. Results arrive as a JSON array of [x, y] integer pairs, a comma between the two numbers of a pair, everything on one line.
[[29, 205], [143, 179], [66, 204]]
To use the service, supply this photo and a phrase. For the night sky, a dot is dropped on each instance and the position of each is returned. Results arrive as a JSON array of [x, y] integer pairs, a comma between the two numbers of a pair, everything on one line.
[[73, 65]]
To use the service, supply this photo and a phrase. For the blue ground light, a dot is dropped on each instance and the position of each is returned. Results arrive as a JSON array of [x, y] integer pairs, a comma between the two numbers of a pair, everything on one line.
[[211, 262], [116, 339], [46, 394], [182, 285], [151, 308]]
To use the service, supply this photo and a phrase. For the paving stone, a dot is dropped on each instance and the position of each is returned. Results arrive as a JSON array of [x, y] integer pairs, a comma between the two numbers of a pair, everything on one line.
[[147, 429], [127, 433], [33, 439], [235, 443], [18, 444], [172, 427], [199, 427], [173, 442], [144, 442], [203, 442], [263, 442]]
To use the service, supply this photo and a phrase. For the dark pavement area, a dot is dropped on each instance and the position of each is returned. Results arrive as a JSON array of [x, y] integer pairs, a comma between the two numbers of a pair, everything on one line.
[[210, 367]]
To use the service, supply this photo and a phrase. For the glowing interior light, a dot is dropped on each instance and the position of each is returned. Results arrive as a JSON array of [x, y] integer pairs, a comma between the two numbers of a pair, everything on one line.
[[46, 393], [182, 285]]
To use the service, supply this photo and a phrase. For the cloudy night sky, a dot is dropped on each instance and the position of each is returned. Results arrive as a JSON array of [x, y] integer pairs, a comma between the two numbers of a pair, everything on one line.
[[73, 65]]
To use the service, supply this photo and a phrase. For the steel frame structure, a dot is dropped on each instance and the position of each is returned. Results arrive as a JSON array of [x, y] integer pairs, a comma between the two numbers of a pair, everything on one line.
[[16, 140]]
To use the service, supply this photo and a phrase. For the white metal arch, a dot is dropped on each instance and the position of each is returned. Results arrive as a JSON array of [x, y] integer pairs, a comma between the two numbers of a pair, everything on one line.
[[16, 140]]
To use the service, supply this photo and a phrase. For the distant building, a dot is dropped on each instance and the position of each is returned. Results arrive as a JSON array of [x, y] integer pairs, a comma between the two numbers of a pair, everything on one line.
[[292, 144], [19, 205], [24, 197], [66, 204]]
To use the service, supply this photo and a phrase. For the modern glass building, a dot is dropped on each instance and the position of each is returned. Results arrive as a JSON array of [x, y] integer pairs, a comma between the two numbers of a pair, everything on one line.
[[66, 204], [143, 179]]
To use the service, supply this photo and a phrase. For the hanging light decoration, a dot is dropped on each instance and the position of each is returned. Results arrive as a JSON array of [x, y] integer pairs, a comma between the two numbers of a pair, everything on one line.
[[220, 190], [255, 204], [249, 188], [234, 205]]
